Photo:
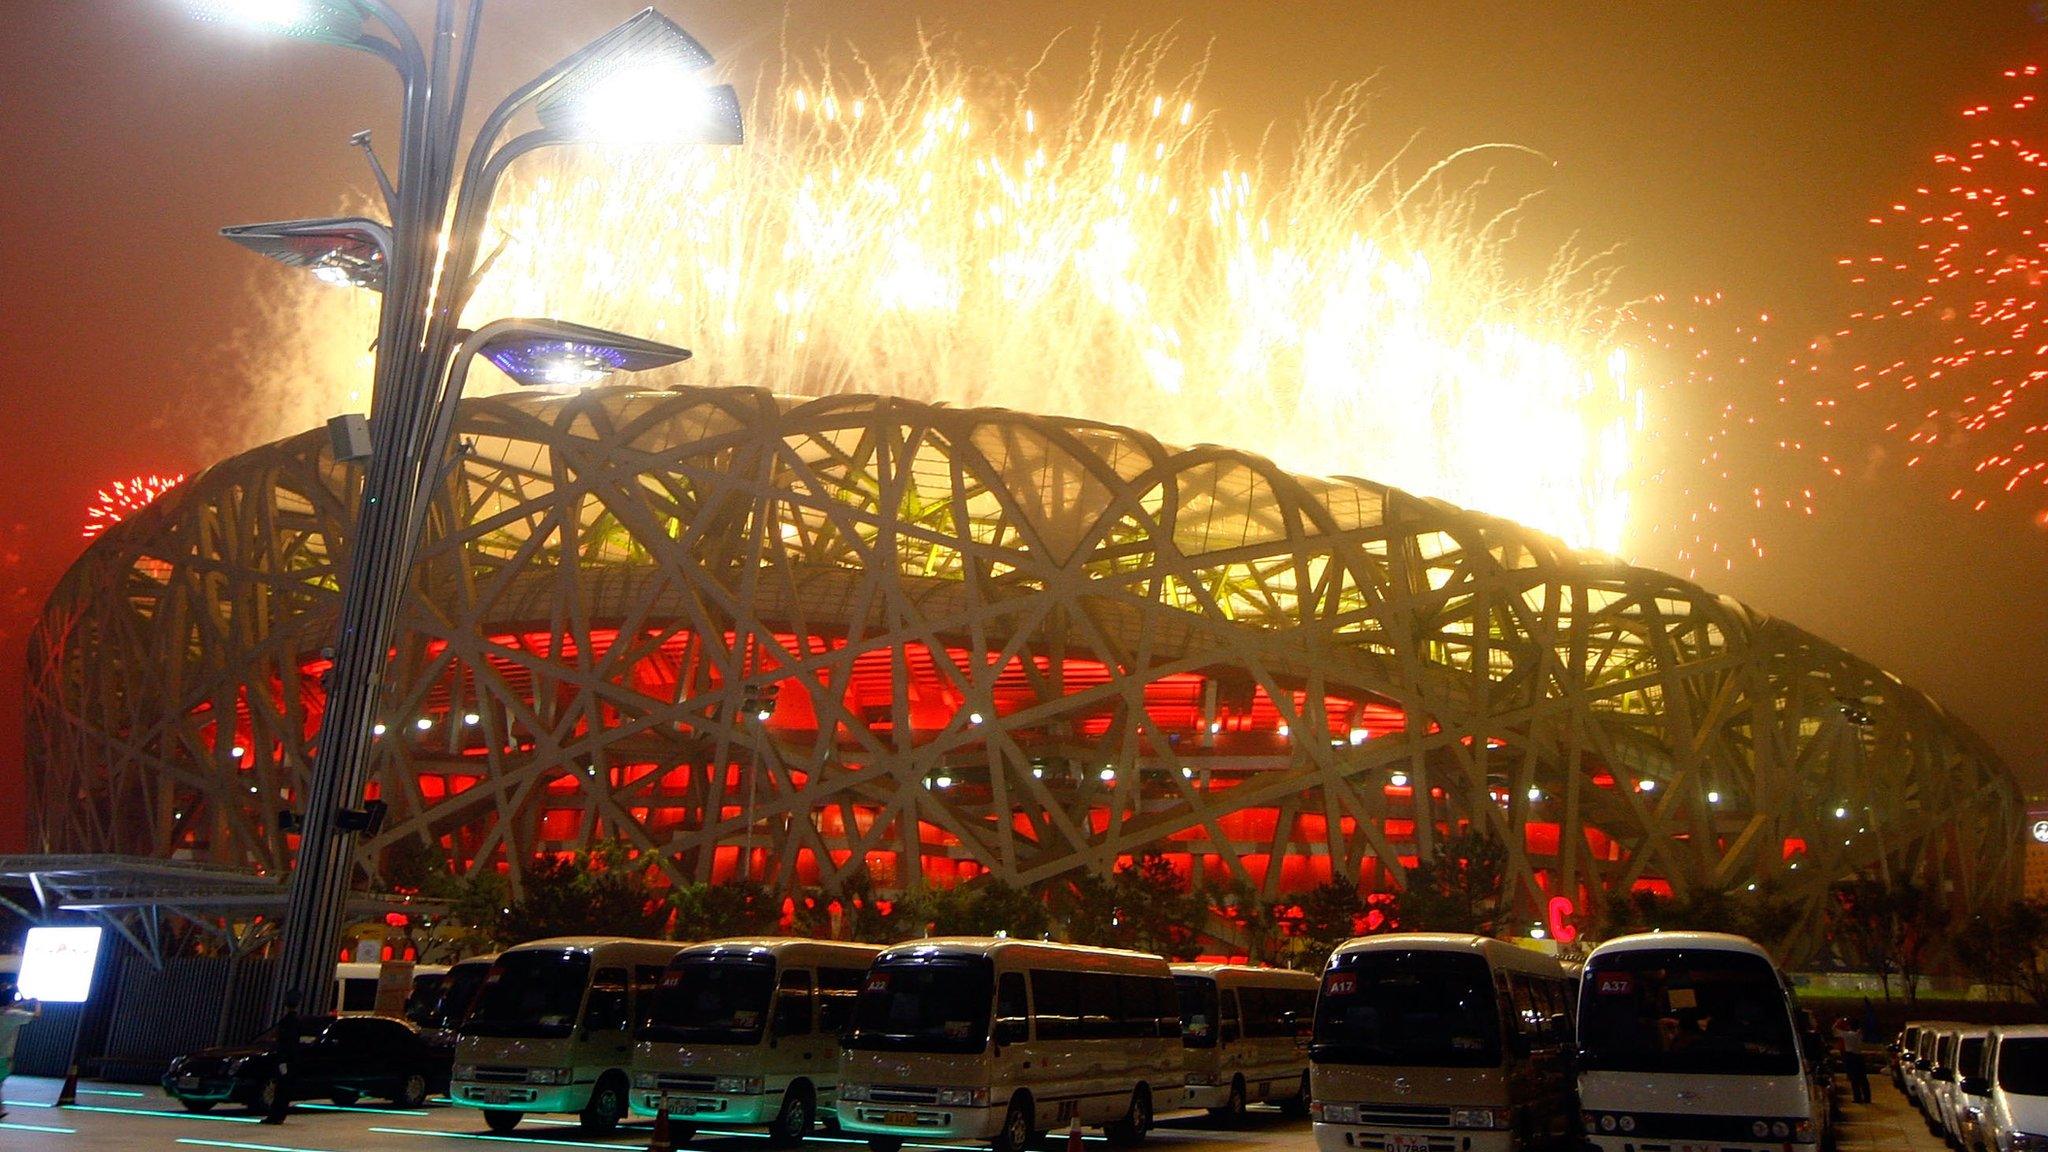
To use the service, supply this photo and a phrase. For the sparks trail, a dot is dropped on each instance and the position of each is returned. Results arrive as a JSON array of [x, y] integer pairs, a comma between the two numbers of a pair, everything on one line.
[[1948, 354], [945, 232], [124, 498]]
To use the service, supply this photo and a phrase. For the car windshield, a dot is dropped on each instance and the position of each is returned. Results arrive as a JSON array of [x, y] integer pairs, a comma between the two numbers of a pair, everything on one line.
[[722, 1001], [458, 995], [2023, 1066], [1419, 1009], [1697, 1010], [532, 994], [1197, 1011], [924, 1004]]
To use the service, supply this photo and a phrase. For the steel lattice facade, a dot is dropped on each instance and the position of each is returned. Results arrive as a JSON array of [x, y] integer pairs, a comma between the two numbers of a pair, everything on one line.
[[998, 643]]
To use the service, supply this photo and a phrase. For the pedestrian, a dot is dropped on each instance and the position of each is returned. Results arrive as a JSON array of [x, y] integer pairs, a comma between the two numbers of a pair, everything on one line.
[[1849, 1039], [288, 1028], [13, 1019]]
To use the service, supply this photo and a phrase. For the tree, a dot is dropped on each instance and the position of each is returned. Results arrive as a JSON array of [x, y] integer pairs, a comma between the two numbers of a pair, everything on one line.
[[592, 894], [1256, 921], [1156, 910], [852, 911], [1330, 914], [712, 911], [1083, 908], [980, 907], [1891, 926], [1459, 888], [2009, 946]]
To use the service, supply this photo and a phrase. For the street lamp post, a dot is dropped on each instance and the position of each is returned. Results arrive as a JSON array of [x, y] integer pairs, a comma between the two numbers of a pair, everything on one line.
[[635, 82]]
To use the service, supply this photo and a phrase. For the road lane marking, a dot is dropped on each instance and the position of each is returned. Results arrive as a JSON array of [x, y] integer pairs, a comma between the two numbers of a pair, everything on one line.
[[161, 1114], [246, 1147], [636, 1145], [37, 1128]]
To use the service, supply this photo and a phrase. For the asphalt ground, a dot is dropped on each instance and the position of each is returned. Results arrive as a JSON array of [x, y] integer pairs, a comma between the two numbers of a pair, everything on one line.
[[128, 1118]]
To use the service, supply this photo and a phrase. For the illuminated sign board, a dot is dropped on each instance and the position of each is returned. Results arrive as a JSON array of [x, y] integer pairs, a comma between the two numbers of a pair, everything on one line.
[[57, 964]]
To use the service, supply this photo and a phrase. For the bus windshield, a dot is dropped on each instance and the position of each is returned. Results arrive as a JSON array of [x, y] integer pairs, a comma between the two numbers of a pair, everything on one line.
[[924, 1004], [722, 1001], [2023, 1066], [1198, 1021], [531, 994], [1691, 1010], [1417, 1009]]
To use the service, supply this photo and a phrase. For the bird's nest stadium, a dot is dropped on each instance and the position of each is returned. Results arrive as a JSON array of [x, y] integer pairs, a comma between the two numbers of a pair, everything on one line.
[[983, 642]]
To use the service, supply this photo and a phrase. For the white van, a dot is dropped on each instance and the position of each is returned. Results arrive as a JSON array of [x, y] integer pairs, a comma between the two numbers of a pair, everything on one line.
[[746, 1032], [972, 1038], [1689, 1038], [1957, 1049], [1436, 1042], [1244, 1032], [551, 1030], [2014, 1085]]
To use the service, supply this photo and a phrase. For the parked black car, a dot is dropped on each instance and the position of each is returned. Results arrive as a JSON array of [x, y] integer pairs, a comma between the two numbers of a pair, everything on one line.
[[341, 1058]]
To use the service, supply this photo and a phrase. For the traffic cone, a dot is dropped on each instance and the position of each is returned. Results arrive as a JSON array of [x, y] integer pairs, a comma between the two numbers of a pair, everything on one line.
[[1074, 1135], [661, 1141], [68, 1095]]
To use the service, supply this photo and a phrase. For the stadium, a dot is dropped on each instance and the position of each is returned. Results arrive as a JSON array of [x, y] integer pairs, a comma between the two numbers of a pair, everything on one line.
[[792, 640]]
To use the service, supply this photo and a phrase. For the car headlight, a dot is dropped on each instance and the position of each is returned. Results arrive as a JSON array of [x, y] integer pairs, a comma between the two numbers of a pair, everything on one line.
[[645, 1080], [463, 1072], [853, 1093], [1479, 1117], [737, 1085], [548, 1075], [963, 1097]]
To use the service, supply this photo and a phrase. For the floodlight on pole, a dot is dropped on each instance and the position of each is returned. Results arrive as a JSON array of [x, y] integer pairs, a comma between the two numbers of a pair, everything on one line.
[[425, 263]]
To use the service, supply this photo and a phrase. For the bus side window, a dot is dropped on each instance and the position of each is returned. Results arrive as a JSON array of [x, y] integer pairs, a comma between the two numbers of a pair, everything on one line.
[[1166, 1003], [838, 988], [793, 1004], [1013, 1012], [605, 1010], [1056, 1000], [1228, 1031]]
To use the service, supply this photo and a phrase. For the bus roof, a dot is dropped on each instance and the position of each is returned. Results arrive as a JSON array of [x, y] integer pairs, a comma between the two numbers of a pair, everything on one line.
[[1498, 953], [587, 944], [992, 946], [779, 946], [1249, 974], [1659, 941]]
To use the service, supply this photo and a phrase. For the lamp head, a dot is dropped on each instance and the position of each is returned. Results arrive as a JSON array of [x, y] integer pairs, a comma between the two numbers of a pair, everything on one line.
[[638, 83], [331, 21], [558, 354], [347, 250]]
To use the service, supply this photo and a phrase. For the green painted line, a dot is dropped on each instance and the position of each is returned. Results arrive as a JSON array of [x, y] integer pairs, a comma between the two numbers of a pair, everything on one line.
[[311, 1107], [503, 1139], [112, 1092], [38, 1128], [246, 1147], [162, 1115], [29, 1104]]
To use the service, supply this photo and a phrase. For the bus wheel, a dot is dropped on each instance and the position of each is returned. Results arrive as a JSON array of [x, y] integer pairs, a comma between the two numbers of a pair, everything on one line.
[[607, 1106], [1296, 1106], [1016, 1131], [1232, 1112], [1131, 1128], [501, 1120], [885, 1144], [793, 1122]]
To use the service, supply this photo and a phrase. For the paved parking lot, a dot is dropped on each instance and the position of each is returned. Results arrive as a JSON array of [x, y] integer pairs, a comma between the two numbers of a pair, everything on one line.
[[126, 1118]]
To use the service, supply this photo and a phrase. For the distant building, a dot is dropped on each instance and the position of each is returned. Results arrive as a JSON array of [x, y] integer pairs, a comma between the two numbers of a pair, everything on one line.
[[2035, 882], [814, 642]]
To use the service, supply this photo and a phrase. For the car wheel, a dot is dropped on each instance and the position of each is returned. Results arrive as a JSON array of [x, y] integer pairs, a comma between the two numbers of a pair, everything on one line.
[[793, 1122], [1015, 1135], [344, 1096], [606, 1108], [197, 1105], [265, 1098], [412, 1093], [501, 1120], [1136, 1121]]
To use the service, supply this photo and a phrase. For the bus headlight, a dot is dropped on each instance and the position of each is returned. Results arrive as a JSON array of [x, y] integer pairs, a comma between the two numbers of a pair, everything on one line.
[[463, 1072], [549, 1075], [737, 1085], [1479, 1118], [1781, 1130], [853, 1093], [1626, 1123], [963, 1097], [646, 1080], [1760, 1129], [1606, 1123], [1338, 1113]]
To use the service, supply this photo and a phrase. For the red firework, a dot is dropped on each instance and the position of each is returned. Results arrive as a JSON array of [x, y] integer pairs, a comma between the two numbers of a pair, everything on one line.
[[124, 498]]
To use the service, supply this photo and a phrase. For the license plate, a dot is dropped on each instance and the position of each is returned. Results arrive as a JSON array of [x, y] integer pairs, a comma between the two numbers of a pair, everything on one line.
[[497, 1095], [679, 1103], [188, 1081], [1397, 1143], [900, 1119], [1692, 1148]]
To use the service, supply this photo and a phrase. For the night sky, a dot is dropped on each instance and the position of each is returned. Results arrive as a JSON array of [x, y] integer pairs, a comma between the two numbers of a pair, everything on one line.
[[1731, 148]]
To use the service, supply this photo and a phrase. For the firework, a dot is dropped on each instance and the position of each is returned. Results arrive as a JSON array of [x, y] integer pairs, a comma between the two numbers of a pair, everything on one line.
[[1948, 353], [947, 233], [124, 498]]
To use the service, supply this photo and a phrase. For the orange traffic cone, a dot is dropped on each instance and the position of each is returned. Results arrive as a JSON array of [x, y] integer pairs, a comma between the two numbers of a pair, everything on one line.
[[661, 1140], [68, 1095], [1074, 1135]]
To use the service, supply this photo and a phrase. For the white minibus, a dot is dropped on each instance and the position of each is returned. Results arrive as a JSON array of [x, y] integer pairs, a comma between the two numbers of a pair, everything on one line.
[[551, 1029], [1440, 1042], [1244, 1032], [973, 1038], [746, 1032], [1688, 1039]]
